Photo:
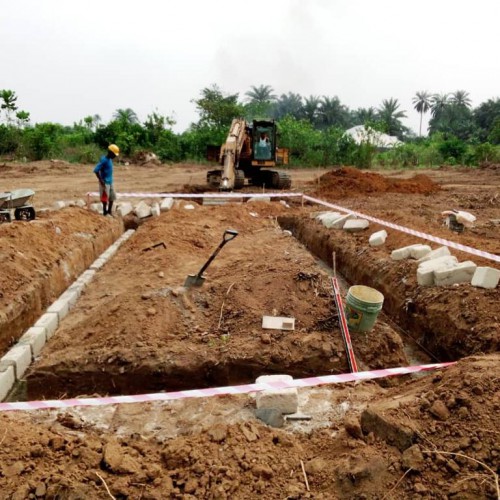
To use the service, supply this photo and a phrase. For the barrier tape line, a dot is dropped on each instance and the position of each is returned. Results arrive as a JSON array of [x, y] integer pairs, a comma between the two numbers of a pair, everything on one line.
[[403, 229], [203, 195], [220, 391], [344, 329]]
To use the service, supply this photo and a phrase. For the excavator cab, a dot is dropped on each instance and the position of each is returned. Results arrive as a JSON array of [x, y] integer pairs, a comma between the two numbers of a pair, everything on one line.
[[263, 140]]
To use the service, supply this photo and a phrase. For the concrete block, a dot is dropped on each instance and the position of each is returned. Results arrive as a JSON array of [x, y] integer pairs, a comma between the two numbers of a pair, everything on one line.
[[328, 218], [97, 264], [77, 288], [419, 251], [260, 199], [166, 204], [49, 321], [486, 277], [439, 252], [96, 207], [142, 210], [61, 307], [400, 253], [461, 273], [69, 296], [80, 203], [355, 225], [155, 210], [59, 204], [35, 337], [339, 223], [278, 323], [86, 277], [124, 208], [7, 381], [283, 400], [425, 272], [19, 357], [378, 238], [189, 206]]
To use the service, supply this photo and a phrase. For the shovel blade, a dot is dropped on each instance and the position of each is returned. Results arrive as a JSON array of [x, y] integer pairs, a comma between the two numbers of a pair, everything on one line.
[[194, 280]]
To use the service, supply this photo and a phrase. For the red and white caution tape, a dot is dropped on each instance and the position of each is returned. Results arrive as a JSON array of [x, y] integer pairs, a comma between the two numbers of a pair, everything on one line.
[[344, 329], [220, 391], [203, 195], [435, 239]]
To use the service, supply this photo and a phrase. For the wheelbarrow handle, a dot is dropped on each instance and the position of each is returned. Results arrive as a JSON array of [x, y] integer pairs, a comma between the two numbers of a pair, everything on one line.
[[229, 234]]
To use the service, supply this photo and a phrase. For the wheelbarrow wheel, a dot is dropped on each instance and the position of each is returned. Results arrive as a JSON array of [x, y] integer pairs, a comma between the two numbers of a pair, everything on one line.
[[25, 213]]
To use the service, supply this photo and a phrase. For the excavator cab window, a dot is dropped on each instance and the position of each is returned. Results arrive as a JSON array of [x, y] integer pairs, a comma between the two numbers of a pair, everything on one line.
[[263, 143]]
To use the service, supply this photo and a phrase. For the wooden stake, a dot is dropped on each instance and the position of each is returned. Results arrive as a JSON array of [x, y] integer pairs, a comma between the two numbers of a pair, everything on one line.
[[305, 475]]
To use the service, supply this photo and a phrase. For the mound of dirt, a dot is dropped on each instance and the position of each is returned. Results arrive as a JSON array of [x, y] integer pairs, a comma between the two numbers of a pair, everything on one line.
[[348, 181]]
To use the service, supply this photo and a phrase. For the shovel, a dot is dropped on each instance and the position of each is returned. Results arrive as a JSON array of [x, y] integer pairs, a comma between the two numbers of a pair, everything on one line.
[[198, 279]]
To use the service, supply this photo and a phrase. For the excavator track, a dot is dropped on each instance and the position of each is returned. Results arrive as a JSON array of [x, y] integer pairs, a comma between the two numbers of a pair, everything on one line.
[[282, 180], [239, 179]]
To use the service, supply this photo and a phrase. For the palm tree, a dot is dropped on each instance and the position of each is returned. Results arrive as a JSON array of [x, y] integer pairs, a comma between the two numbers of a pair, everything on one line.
[[388, 113], [289, 104], [364, 115], [461, 98], [422, 102], [438, 103], [333, 112], [263, 94], [310, 109], [126, 115], [9, 102]]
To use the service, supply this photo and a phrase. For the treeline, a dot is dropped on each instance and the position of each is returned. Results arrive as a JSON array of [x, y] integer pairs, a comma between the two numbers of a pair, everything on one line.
[[312, 127]]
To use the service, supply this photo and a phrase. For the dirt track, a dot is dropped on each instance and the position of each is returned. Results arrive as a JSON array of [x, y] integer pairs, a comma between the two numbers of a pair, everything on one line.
[[136, 330]]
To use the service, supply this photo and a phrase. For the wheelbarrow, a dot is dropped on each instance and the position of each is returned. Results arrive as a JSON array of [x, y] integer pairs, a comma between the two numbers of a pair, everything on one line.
[[198, 279], [19, 201]]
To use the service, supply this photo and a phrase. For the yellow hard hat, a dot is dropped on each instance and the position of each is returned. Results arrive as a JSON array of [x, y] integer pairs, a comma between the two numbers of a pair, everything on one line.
[[114, 148]]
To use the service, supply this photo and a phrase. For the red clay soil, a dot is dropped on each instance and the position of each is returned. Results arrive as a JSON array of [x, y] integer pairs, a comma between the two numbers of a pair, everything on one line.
[[436, 437], [348, 181]]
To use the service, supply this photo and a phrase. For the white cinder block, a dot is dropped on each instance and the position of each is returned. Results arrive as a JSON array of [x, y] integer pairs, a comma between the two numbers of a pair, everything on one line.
[[80, 203], [425, 272], [284, 400], [19, 356], [486, 277], [400, 253], [355, 225], [86, 277], [124, 208], [278, 323], [439, 252], [61, 307], [97, 264], [328, 218], [461, 273], [59, 204], [96, 207], [69, 296], [259, 199], [34, 337], [339, 223], [142, 210], [7, 380], [155, 210], [77, 288], [49, 321], [419, 251], [166, 204], [378, 238]]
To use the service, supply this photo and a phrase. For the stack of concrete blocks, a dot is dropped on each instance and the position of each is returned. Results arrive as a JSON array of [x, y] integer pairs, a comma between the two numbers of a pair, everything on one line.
[[284, 400], [15, 363], [377, 239], [417, 251]]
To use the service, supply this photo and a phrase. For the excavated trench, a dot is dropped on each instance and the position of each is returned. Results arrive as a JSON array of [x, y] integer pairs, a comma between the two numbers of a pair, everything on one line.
[[193, 353]]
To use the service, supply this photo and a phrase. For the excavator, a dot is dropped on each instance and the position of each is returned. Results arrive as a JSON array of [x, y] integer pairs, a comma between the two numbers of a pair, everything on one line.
[[249, 151]]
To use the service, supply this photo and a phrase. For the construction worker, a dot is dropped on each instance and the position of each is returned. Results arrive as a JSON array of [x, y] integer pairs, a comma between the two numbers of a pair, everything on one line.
[[104, 172]]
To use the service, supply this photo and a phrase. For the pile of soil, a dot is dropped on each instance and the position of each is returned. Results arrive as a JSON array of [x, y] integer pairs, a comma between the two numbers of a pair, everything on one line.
[[348, 181]]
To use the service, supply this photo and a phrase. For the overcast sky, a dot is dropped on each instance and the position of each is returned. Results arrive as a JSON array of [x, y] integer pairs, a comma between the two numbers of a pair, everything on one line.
[[69, 59]]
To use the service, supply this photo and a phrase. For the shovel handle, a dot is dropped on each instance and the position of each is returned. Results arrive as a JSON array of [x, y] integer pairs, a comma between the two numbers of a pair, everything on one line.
[[229, 234]]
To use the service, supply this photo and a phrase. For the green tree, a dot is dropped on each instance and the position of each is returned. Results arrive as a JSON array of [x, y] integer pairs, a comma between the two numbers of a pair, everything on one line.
[[460, 98], [390, 116], [9, 99], [126, 116], [422, 103], [486, 116], [439, 102], [362, 116], [288, 105], [263, 94], [333, 113], [23, 118], [217, 109], [311, 109]]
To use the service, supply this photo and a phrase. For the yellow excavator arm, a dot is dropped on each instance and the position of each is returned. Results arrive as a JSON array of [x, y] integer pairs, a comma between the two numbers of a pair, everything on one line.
[[230, 152]]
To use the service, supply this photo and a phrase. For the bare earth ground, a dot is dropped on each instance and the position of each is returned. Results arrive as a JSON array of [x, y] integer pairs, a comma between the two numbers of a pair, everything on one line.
[[136, 330]]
